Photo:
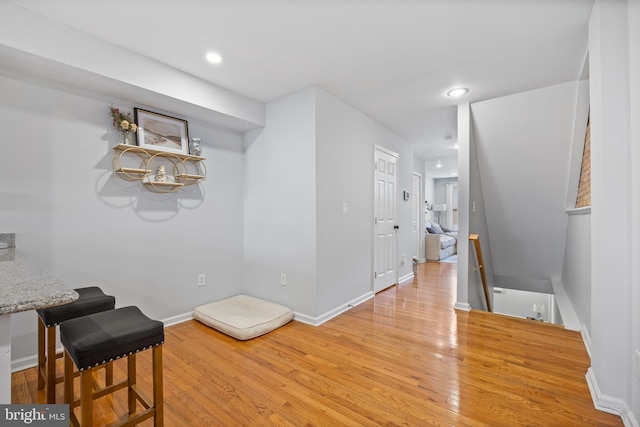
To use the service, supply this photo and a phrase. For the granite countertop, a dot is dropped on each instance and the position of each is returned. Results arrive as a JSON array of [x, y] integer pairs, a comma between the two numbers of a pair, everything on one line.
[[25, 285]]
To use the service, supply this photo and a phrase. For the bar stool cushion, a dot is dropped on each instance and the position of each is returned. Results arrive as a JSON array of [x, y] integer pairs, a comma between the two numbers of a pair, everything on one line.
[[101, 337], [243, 317], [90, 300]]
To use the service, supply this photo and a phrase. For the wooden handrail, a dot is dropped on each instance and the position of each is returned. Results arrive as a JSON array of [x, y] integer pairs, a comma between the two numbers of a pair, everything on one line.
[[476, 243]]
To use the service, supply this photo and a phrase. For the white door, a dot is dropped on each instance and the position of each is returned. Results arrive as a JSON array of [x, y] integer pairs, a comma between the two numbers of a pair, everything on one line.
[[385, 258], [416, 202]]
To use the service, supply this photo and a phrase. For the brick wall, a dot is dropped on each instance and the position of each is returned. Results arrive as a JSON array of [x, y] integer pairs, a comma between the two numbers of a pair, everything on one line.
[[584, 188]]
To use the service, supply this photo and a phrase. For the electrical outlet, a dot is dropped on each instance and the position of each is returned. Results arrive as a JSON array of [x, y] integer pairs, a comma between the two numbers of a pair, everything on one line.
[[202, 279], [283, 279]]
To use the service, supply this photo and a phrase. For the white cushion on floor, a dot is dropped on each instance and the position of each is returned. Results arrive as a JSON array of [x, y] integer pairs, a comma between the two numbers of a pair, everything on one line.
[[243, 317]]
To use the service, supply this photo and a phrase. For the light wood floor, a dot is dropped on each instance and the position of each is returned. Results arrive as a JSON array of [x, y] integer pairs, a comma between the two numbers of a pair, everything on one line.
[[403, 358]]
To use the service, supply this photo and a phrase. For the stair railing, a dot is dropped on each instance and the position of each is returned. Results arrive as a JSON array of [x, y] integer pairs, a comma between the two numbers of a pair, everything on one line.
[[476, 243]]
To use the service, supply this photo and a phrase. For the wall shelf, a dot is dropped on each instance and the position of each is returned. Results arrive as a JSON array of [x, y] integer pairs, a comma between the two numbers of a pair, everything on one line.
[[187, 169], [188, 177], [162, 186], [152, 152], [132, 170]]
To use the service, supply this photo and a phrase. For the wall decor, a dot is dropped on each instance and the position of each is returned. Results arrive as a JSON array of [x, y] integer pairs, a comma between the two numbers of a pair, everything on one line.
[[133, 163], [196, 147], [124, 123], [161, 175], [161, 132]]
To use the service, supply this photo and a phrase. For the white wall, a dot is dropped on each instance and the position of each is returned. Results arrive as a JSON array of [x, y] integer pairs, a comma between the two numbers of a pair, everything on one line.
[[633, 22], [519, 303], [314, 155], [471, 220], [418, 168], [524, 144], [615, 301], [345, 152], [576, 272], [429, 192], [88, 227], [440, 190], [441, 196], [465, 280], [576, 269], [280, 205]]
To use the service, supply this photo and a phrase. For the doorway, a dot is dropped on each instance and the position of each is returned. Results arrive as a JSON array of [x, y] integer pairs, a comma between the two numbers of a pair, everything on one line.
[[417, 212], [451, 197], [385, 219]]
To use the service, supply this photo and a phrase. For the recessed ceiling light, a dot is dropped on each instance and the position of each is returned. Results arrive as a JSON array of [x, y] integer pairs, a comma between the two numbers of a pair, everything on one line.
[[214, 57], [439, 165], [459, 91]]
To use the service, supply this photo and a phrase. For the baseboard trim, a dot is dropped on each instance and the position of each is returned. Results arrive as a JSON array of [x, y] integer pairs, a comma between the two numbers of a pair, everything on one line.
[[463, 306], [609, 404], [180, 318], [406, 278], [319, 320], [24, 363]]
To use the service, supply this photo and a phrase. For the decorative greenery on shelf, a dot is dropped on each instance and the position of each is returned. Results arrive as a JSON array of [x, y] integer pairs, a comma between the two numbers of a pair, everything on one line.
[[123, 121]]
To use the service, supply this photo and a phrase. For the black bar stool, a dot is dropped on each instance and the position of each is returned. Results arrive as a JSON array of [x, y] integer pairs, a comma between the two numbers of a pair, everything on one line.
[[91, 300], [97, 339]]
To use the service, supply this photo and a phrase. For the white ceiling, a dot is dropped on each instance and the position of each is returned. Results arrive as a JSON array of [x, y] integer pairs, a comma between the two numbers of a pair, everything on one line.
[[392, 59]]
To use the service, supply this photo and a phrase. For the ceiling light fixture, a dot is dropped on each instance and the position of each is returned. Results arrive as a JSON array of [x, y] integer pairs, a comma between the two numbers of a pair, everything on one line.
[[214, 57], [439, 165], [459, 91]]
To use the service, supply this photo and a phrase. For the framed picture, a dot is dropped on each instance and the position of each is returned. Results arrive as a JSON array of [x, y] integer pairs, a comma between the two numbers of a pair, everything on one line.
[[161, 132]]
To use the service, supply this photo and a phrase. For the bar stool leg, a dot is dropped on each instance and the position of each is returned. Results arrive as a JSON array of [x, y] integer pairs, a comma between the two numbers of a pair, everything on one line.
[[68, 380], [131, 373], [41, 359], [47, 360], [158, 420], [108, 373], [86, 397], [51, 364]]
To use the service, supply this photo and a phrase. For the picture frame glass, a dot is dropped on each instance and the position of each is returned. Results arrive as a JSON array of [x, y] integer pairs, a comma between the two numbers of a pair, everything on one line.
[[161, 132]]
